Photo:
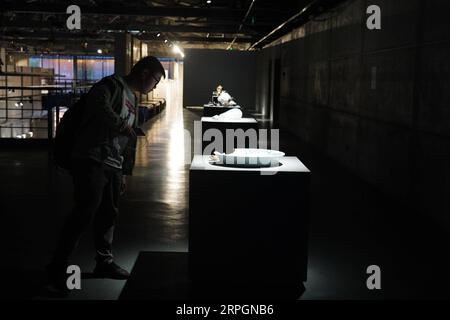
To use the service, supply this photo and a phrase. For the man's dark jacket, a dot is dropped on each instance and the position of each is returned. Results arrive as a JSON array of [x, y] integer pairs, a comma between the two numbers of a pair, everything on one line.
[[101, 123]]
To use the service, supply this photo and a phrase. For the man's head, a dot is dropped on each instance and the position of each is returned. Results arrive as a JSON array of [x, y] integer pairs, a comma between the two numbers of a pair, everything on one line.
[[146, 74]]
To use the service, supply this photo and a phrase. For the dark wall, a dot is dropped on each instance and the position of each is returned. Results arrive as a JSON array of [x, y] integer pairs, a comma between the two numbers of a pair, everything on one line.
[[205, 69], [378, 102]]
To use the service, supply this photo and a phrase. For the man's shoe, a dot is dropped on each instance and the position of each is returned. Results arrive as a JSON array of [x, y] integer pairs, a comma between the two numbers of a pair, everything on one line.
[[57, 281], [111, 271]]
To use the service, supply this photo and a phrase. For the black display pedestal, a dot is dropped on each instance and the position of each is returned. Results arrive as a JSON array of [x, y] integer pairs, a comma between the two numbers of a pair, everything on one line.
[[248, 226], [211, 111]]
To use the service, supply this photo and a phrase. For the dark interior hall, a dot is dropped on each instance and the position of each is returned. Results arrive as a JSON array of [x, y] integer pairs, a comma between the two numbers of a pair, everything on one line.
[[361, 112]]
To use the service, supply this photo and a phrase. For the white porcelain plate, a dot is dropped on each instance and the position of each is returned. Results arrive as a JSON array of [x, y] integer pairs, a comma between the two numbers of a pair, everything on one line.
[[250, 158]]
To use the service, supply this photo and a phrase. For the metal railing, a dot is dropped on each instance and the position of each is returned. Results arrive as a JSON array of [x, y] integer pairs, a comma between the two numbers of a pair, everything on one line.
[[34, 111]]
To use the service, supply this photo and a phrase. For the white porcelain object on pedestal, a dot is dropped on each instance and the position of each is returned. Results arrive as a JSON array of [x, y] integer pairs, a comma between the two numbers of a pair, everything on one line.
[[233, 114], [250, 158]]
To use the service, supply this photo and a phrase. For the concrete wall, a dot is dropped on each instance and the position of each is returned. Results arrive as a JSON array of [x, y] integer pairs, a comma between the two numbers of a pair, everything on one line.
[[205, 69], [378, 102]]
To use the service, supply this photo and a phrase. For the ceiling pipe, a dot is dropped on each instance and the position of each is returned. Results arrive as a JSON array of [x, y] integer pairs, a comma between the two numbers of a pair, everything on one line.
[[303, 12], [117, 9], [242, 24]]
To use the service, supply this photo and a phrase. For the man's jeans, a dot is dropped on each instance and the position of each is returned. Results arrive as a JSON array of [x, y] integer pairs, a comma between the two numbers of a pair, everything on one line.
[[96, 195]]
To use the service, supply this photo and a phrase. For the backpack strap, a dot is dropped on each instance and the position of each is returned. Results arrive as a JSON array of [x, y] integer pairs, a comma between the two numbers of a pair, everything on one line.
[[113, 83]]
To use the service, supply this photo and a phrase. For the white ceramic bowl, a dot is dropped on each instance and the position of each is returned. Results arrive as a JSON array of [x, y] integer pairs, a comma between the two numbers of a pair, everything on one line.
[[250, 158]]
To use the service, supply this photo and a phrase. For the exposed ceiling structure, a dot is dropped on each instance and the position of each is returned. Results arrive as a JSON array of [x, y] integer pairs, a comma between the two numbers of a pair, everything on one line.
[[226, 24]]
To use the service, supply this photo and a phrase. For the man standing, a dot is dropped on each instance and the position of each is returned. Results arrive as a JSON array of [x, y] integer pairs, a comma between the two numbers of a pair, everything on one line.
[[102, 157]]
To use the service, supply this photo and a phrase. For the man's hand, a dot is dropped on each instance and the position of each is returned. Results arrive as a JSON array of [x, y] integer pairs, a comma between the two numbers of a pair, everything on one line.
[[123, 185]]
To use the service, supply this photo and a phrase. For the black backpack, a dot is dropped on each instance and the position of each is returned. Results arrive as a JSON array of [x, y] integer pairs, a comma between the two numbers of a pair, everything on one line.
[[67, 128], [66, 132]]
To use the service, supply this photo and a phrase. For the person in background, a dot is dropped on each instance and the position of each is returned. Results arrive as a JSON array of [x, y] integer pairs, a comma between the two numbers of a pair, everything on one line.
[[103, 156], [219, 90], [216, 94]]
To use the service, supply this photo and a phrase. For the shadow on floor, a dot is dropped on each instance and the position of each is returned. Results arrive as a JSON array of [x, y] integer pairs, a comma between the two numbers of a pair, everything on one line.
[[22, 283], [165, 276]]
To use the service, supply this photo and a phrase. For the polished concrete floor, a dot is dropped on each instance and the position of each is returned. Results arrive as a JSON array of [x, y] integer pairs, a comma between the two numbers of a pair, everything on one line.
[[352, 226]]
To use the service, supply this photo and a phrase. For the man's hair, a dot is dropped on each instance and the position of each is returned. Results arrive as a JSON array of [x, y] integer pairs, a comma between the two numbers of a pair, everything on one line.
[[148, 63]]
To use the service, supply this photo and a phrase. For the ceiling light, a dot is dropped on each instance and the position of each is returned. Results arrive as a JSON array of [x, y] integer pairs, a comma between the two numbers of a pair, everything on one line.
[[158, 35], [176, 49], [208, 1]]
